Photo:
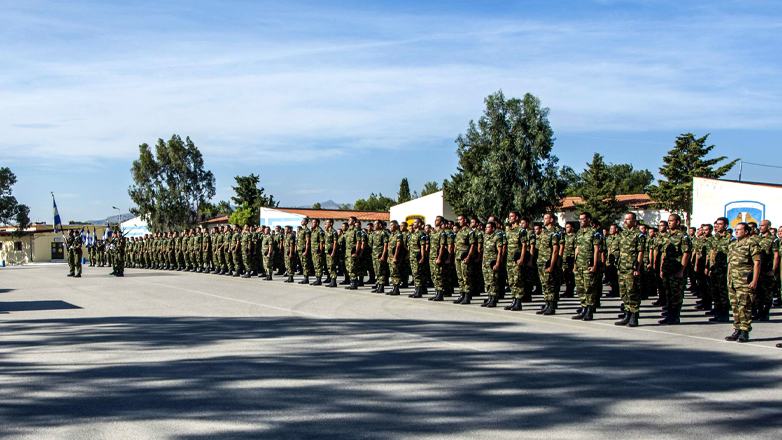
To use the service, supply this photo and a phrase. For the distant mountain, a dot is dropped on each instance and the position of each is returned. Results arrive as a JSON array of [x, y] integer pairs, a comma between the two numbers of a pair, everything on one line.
[[113, 219], [328, 204]]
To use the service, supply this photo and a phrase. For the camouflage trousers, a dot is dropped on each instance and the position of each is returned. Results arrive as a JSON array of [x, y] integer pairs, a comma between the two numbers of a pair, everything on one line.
[[465, 276], [491, 279], [74, 262], [206, 259], [674, 291], [351, 264], [703, 287], [567, 274], [319, 263], [741, 298], [397, 272], [331, 266], [550, 282], [718, 287], [381, 269], [765, 293], [436, 272], [306, 263], [245, 263], [420, 272], [587, 286], [266, 267], [630, 290], [229, 260], [290, 264], [515, 279], [180, 259]]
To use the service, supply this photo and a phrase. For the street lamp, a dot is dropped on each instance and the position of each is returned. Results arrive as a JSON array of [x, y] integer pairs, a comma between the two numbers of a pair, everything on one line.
[[119, 219]]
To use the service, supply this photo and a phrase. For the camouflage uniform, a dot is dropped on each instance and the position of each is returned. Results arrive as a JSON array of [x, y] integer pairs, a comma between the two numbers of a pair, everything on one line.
[[268, 250], [492, 245], [548, 238], [631, 243], [351, 239], [73, 245], [569, 263], [301, 247], [396, 269], [587, 282], [317, 237], [718, 277], [700, 248], [329, 242], [290, 253], [416, 242], [515, 240], [438, 237], [675, 245], [742, 255], [464, 239], [768, 245], [379, 240]]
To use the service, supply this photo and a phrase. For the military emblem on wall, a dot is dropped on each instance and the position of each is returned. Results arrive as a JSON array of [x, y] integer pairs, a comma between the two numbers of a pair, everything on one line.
[[410, 218], [745, 211]]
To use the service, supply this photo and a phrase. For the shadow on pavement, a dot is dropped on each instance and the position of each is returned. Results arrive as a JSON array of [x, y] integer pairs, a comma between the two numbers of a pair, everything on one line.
[[30, 306], [362, 383]]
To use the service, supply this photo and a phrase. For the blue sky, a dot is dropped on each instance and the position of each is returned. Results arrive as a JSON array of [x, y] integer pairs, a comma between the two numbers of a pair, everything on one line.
[[334, 100]]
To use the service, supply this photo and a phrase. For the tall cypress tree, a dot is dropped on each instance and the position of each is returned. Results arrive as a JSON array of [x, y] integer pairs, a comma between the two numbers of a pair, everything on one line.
[[598, 192], [404, 192], [685, 161]]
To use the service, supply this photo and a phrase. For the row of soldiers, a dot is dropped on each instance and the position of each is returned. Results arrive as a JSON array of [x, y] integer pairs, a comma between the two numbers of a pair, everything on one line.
[[513, 257]]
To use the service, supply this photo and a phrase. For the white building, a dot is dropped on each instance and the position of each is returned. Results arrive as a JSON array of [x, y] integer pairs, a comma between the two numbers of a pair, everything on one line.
[[738, 201], [640, 204], [292, 216], [426, 208], [135, 227]]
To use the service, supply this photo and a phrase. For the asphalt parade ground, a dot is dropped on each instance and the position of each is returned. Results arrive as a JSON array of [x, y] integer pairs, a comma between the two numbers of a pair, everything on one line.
[[160, 354]]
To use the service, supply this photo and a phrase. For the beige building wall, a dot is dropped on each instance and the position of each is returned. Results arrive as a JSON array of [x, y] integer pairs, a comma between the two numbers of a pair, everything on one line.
[[36, 247]]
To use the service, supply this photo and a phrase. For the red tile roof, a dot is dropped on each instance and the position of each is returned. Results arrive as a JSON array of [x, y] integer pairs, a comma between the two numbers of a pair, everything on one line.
[[630, 200]]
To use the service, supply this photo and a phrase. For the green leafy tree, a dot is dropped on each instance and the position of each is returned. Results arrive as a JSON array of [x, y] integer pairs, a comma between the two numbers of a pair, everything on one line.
[[345, 207], [505, 161], [170, 185], [404, 192], [429, 188], [11, 211], [628, 180], [249, 199], [686, 160], [598, 192], [214, 209], [317, 206], [374, 203]]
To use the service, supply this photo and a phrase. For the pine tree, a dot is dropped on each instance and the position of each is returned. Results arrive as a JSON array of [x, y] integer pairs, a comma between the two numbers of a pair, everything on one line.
[[685, 161], [598, 192], [404, 192], [505, 161]]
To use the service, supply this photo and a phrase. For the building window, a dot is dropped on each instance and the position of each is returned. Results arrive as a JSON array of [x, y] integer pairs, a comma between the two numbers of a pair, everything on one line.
[[17, 245]]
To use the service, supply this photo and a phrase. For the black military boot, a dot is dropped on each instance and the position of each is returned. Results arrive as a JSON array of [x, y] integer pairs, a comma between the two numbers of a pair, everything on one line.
[[438, 296], [417, 294], [317, 282], [734, 336], [327, 280], [743, 337], [246, 275], [424, 291], [306, 280], [333, 283], [512, 304], [353, 285], [765, 314], [268, 277], [624, 320], [394, 290], [552, 309], [491, 301], [290, 279], [466, 299], [460, 298], [380, 288], [633, 319], [345, 282], [580, 313], [545, 307], [375, 287]]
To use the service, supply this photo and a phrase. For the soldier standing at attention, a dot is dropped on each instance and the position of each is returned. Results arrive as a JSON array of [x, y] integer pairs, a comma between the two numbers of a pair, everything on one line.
[[73, 245], [245, 247], [234, 242], [478, 286], [438, 255], [612, 271], [676, 248], [587, 257], [450, 277], [304, 249], [268, 251], [700, 248], [366, 263], [515, 247], [330, 242], [379, 247], [343, 253], [658, 253], [768, 244], [744, 267], [466, 244], [547, 244], [396, 263], [569, 260], [416, 248], [718, 270], [493, 249], [317, 244], [290, 253], [632, 247], [352, 252]]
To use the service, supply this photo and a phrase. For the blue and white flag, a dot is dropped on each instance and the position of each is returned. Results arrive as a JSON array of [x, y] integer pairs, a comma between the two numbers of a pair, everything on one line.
[[94, 236], [57, 222]]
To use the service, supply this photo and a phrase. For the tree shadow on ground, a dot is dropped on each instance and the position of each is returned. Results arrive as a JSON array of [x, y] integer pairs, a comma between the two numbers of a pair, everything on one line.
[[30, 306], [291, 377]]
